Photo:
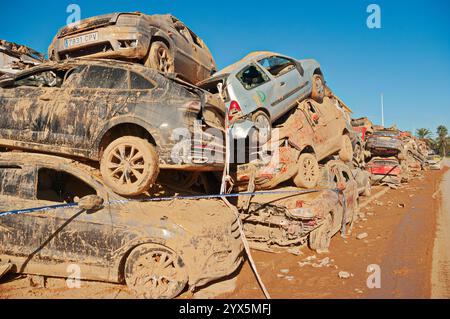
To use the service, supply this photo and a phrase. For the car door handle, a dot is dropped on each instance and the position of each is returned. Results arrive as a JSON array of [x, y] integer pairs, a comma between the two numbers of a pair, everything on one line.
[[282, 83], [45, 98]]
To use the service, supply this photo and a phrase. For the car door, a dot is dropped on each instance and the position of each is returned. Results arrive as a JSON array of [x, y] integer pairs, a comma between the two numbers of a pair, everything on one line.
[[95, 94], [288, 82], [27, 105], [185, 62], [320, 134], [60, 236]]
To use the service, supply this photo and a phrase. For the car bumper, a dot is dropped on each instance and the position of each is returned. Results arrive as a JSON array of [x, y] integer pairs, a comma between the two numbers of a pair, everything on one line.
[[113, 42]]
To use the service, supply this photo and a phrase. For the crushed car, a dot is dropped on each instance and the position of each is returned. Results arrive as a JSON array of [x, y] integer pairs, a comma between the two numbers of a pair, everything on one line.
[[264, 86], [312, 133], [129, 118], [385, 142], [273, 222], [161, 42], [434, 162], [387, 171], [15, 57], [157, 249]]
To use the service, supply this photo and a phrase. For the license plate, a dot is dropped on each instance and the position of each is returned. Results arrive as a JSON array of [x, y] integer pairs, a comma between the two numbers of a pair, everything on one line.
[[83, 39]]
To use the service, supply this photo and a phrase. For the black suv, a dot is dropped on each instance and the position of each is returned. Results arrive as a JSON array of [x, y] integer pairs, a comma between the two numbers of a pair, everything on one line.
[[130, 118]]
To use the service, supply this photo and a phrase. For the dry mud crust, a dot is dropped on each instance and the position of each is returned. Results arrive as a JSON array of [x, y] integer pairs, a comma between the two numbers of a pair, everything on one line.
[[400, 227]]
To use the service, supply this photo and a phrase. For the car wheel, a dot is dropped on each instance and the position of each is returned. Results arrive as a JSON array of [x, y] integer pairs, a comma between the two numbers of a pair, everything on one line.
[[155, 272], [263, 124], [129, 165], [160, 58], [346, 152], [308, 171], [320, 238], [318, 88]]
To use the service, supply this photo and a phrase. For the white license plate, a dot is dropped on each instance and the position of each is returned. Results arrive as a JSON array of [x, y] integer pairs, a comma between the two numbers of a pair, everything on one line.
[[83, 39]]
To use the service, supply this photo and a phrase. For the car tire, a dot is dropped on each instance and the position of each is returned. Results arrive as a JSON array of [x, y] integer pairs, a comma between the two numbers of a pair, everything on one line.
[[129, 166], [308, 173], [318, 88], [155, 272], [346, 152], [160, 58], [320, 238], [263, 124]]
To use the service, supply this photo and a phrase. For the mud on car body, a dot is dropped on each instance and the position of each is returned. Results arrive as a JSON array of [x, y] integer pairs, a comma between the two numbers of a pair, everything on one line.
[[124, 115], [385, 143], [161, 42], [157, 249], [274, 221], [312, 133], [264, 86]]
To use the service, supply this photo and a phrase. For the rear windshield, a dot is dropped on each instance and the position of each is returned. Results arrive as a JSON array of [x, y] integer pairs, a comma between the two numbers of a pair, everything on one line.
[[385, 163], [386, 133]]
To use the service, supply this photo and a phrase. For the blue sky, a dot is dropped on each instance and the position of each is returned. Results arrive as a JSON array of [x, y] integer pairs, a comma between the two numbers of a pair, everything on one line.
[[408, 59]]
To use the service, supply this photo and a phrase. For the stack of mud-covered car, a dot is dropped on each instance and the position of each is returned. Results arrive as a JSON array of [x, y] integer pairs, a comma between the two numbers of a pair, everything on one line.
[[130, 109]]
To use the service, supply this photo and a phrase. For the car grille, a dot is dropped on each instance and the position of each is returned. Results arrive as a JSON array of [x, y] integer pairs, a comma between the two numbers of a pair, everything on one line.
[[84, 26], [85, 51]]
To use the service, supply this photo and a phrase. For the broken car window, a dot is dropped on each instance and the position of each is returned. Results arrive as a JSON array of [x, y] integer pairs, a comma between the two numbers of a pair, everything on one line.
[[61, 187], [138, 82], [100, 77], [252, 77], [41, 79], [277, 65]]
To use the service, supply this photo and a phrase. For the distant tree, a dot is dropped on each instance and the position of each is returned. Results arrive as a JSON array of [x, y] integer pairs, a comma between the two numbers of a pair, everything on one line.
[[442, 139], [424, 133]]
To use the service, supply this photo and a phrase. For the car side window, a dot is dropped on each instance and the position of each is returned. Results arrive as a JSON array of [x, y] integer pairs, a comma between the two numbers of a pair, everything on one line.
[[61, 187], [138, 82], [252, 76], [17, 181], [48, 78], [277, 65], [100, 77]]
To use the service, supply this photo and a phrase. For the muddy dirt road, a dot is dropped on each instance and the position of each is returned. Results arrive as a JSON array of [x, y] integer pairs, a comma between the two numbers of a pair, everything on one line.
[[397, 232]]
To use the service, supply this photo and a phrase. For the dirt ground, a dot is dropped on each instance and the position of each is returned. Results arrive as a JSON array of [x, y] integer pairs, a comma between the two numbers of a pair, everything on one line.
[[400, 227]]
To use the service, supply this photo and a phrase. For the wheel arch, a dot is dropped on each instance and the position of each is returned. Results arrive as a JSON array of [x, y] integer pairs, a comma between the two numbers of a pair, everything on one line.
[[125, 126]]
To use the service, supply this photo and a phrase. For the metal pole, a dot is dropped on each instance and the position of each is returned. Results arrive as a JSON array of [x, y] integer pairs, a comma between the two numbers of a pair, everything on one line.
[[382, 109]]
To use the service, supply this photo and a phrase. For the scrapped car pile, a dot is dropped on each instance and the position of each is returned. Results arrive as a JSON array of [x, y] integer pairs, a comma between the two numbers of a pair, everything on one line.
[[98, 143]]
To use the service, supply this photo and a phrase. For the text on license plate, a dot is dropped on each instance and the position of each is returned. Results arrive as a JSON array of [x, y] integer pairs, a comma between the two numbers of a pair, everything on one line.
[[86, 38]]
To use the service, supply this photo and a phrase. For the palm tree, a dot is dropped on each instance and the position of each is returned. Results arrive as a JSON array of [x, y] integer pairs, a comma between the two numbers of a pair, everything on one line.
[[426, 135], [441, 141], [423, 133]]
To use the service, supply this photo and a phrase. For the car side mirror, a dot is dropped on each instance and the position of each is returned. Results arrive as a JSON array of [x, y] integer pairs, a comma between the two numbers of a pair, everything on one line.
[[90, 202]]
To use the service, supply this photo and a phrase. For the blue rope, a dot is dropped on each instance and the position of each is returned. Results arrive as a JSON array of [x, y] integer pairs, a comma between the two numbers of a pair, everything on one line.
[[159, 199]]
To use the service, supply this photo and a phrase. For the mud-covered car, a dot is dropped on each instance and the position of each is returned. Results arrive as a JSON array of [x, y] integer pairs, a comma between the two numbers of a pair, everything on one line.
[[385, 142], [161, 42], [156, 249], [15, 57], [277, 221], [130, 118], [434, 162], [312, 133], [387, 171], [264, 86]]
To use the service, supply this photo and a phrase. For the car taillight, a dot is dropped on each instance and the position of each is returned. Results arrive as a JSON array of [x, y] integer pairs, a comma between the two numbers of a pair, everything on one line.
[[234, 111]]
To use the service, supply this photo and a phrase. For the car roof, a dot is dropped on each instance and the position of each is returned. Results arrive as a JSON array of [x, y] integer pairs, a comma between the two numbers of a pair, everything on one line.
[[257, 55]]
